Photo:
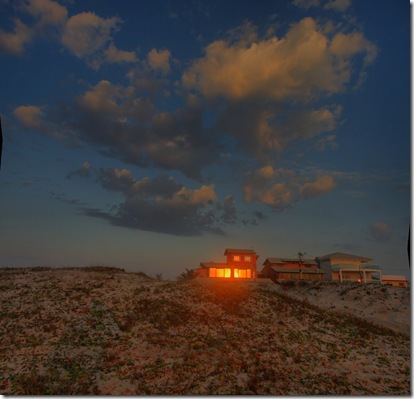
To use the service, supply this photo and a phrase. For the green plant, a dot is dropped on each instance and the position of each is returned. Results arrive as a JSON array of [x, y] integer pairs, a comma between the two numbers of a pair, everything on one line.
[[189, 274]]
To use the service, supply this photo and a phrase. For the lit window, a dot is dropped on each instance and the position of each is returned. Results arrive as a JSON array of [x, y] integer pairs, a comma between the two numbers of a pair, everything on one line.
[[220, 273], [212, 272], [247, 258], [242, 273], [249, 273], [236, 258], [227, 273]]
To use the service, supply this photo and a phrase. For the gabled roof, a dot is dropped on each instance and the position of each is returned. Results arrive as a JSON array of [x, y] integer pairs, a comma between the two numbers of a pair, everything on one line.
[[342, 255], [239, 251]]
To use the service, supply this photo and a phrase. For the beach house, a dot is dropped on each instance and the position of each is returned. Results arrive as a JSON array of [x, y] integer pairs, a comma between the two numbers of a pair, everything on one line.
[[278, 269], [339, 266], [240, 264]]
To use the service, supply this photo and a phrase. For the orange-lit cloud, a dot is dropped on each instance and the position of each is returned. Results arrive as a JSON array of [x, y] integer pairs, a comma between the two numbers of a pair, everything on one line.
[[85, 33], [15, 42], [29, 115], [162, 204], [280, 188], [160, 60], [300, 65], [47, 12]]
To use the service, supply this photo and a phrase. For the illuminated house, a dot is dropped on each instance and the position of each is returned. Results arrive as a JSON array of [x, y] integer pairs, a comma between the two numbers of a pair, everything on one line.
[[278, 269], [343, 267], [241, 263]]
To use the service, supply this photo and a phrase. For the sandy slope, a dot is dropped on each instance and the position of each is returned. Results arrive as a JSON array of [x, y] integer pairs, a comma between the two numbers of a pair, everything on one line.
[[383, 305], [109, 332]]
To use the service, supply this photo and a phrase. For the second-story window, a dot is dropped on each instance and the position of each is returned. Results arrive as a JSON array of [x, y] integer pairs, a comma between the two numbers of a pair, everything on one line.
[[236, 258], [247, 258]]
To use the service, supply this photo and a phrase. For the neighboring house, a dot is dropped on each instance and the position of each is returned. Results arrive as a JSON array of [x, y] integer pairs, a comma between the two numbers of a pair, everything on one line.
[[278, 269], [396, 281], [339, 266], [241, 263]]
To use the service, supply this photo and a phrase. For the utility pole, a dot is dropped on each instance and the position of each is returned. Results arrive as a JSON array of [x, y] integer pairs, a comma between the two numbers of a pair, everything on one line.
[[300, 254]]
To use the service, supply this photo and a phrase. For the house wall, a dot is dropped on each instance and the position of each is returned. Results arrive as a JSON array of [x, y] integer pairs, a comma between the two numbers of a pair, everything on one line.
[[395, 283], [325, 266], [246, 261]]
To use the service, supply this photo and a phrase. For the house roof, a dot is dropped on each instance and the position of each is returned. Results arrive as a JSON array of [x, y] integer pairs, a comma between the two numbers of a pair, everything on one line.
[[295, 270], [393, 277], [342, 255], [289, 260], [213, 264], [239, 251]]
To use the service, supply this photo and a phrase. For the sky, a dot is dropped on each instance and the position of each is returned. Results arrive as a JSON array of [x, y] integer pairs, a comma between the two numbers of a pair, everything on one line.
[[152, 135]]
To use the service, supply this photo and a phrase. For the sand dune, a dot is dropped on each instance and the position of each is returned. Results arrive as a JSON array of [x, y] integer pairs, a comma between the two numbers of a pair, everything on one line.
[[102, 331]]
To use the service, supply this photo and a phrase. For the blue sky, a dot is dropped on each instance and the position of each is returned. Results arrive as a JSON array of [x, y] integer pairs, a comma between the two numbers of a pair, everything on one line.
[[152, 135]]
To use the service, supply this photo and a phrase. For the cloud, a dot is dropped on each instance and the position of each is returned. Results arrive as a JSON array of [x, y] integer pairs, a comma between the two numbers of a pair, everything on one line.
[[159, 60], [380, 232], [306, 3], [86, 33], [160, 204], [14, 42], [83, 171], [29, 115], [114, 55], [46, 12], [126, 126], [267, 87], [322, 185], [280, 188], [338, 5], [299, 66]]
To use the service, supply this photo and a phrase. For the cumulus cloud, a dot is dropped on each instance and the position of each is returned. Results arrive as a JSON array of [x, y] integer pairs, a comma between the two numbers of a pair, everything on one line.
[[159, 60], [160, 204], [14, 42], [115, 55], [298, 66], [46, 12], [29, 115], [380, 232], [86, 33], [280, 188], [269, 84]]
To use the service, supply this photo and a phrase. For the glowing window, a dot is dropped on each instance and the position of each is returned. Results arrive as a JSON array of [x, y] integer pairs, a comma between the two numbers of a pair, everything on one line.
[[247, 258], [236, 258], [227, 273], [236, 273], [249, 273], [212, 272], [242, 273], [220, 273]]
